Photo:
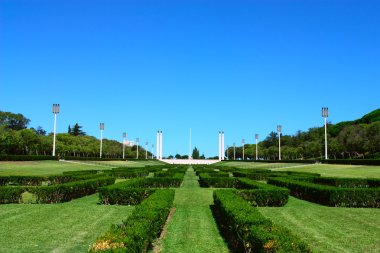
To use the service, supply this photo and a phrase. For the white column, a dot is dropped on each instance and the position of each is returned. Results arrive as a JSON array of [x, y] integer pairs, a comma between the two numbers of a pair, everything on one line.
[[124, 135], [219, 144], [55, 128], [279, 146], [158, 146], [152, 151], [257, 138], [101, 143], [222, 146], [326, 157], [161, 145]]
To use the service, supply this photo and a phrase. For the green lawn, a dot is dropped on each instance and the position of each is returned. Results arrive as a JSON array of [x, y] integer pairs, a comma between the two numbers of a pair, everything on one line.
[[326, 170], [67, 227], [43, 168], [329, 229], [192, 227]]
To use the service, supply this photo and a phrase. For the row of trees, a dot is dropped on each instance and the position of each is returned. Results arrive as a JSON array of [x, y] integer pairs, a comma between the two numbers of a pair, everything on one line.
[[353, 141], [17, 139]]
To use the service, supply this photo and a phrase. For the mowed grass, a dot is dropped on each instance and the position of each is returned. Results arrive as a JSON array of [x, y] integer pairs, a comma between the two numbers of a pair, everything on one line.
[[192, 227], [66, 227], [44, 168], [329, 229], [326, 170]]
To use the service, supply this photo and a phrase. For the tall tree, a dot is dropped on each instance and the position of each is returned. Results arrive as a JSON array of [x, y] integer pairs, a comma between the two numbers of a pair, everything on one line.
[[77, 130], [13, 121], [195, 154]]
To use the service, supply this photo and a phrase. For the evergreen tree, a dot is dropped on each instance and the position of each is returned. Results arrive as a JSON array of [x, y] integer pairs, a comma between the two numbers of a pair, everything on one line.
[[195, 154], [69, 131], [77, 130]]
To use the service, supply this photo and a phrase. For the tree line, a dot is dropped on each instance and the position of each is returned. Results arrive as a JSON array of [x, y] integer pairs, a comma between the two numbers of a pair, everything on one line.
[[350, 139], [17, 139]]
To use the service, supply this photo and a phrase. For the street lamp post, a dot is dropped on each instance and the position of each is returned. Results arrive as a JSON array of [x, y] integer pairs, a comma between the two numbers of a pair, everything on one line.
[[101, 127], [56, 109], [146, 150], [227, 152], [124, 136], [257, 138], [137, 144], [242, 143], [325, 114], [234, 151], [152, 151], [279, 129]]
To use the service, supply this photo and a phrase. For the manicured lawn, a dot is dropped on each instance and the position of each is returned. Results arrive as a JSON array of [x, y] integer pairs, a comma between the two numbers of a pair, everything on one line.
[[193, 228], [329, 229], [43, 168], [328, 170], [67, 227]]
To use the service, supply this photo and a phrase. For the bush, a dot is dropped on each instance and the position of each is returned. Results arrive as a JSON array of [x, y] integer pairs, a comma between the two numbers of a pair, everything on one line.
[[205, 180], [116, 195], [66, 192], [246, 230], [330, 195], [10, 194], [26, 157], [137, 233], [22, 180]]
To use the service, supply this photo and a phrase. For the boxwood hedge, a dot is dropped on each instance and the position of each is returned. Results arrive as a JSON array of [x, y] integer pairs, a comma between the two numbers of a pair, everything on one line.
[[137, 233], [330, 195], [246, 230], [10, 194]]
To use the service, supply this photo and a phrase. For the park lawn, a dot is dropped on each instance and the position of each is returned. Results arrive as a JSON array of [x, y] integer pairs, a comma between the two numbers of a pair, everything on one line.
[[328, 170], [66, 227], [44, 168], [256, 165], [329, 229], [192, 227]]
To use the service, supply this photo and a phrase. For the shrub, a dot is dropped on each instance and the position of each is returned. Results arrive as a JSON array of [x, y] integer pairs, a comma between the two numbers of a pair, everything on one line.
[[66, 192], [26, 157], [246, 230], [330, 195], [115, 194], [137, 233], [10, 194]]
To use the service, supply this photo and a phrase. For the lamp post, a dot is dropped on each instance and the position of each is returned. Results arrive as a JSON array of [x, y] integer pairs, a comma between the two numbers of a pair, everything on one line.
[[137, 144], [257, 138], [227, 152], [234, 151], [325, 114], [146, 150], [101, 127], [124, 136], [56, 109], [279, 129], [242, 143], [152, 151]]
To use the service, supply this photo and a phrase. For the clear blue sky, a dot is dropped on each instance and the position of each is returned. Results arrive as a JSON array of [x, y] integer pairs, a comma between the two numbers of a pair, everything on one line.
[[139, 66]]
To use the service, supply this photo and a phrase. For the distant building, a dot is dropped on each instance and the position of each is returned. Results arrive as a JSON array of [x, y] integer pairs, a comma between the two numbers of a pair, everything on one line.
[[129, 143]]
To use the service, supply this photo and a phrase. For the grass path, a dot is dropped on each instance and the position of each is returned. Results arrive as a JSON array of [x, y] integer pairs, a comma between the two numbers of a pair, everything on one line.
[[329, 229], [193, 228], [66, 227]]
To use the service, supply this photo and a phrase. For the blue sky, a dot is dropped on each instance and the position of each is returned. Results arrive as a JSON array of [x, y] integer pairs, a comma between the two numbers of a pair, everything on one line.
[[140, 66]]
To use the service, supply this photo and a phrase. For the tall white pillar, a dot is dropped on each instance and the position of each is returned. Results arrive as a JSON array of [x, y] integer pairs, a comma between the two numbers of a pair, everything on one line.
[[161, 145], [158, 146], [222, 150], [219, 144]]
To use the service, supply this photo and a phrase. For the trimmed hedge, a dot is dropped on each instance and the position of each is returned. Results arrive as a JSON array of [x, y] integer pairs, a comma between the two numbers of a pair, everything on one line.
[[205, 180], [246, 230], [143, 226], [348, 182], [265, 174], [116, 195], [9, 194], [27, 157], [330, 195], [65, 192]]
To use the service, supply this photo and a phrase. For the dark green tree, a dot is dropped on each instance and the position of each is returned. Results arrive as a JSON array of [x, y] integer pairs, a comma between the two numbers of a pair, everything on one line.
[[77, 130], [13, 121], [195, 154]]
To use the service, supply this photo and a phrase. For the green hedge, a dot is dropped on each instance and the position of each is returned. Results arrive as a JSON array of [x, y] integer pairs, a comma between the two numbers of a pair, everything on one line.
[[116, 195], [348, 182], [330, 195], [246, 230], [205, 180], [143, 226], [265, 174], [40, 180], [10, 194], [66, 192], [353, 161], [26, 157]]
